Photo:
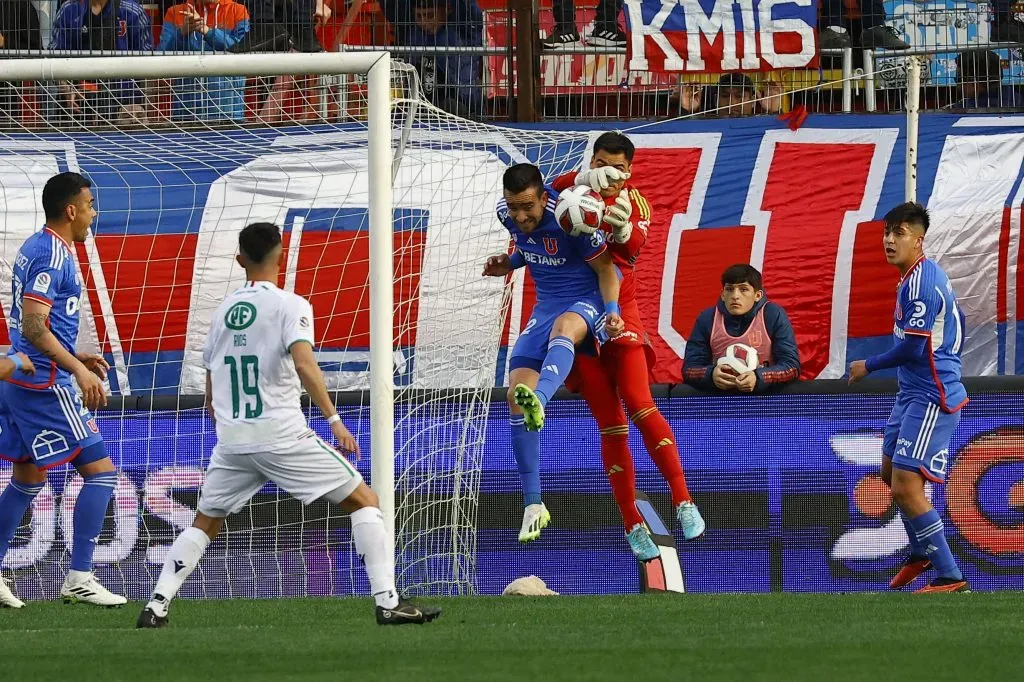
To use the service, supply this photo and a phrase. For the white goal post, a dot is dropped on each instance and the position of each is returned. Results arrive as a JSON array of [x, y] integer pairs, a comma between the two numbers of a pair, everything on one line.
[[377, 68]]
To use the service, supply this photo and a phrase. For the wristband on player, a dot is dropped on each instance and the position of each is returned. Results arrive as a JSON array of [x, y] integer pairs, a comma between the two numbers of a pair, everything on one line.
[[517, 259], [612, 308], [334, 418], [18, 364]]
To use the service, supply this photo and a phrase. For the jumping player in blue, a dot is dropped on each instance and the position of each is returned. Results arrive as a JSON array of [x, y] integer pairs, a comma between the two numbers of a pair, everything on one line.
[[43, 421], [577, 300], [929, 336]]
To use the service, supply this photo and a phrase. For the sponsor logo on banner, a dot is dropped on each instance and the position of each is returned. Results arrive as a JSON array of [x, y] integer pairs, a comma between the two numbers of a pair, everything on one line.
[[715, 36]]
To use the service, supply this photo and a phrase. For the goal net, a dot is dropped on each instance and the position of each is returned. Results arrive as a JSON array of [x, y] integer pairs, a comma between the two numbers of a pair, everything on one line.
[[183, 152]]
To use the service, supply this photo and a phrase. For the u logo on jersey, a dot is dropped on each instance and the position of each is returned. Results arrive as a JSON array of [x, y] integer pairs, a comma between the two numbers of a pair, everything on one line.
[[551, 245]]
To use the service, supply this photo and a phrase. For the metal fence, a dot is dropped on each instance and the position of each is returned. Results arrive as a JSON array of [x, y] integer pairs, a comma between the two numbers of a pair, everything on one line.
[[504, 60]]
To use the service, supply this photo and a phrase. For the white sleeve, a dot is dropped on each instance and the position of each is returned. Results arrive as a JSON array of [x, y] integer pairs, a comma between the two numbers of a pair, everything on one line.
[[208, 347], [298, 323]]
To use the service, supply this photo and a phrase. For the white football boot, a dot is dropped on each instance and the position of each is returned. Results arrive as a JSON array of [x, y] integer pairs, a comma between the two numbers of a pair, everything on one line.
[[535, 518], [84, 588], [7, 598]]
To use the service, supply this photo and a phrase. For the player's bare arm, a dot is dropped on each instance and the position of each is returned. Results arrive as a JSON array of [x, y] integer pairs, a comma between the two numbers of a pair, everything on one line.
[[497, 266], [313, 381], [16, 362], [858, 370], [608, 282], [36, 331], [96, 364], [209, 397]]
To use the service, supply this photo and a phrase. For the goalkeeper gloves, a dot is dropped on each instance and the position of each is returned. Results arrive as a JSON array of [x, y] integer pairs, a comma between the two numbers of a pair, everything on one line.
[[600, 178], [618, 216]]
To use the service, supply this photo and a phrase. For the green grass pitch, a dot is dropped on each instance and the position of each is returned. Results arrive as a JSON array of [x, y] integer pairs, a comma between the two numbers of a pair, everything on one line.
[[873, 637]]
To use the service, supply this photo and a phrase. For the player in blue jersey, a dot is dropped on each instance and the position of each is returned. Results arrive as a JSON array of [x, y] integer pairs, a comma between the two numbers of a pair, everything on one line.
[[577, 300], [929, 335], [43, 421]]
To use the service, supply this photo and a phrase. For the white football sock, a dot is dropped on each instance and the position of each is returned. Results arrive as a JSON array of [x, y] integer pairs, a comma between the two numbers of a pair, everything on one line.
[[375, 549], [187, 550]]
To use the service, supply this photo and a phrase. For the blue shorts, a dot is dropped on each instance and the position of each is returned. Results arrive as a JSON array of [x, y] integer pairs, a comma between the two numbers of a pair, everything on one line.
[[47, 427], [917, 437], [532, 344]]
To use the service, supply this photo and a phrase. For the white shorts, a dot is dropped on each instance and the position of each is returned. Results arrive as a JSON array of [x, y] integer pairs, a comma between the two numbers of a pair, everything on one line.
[[309, 471]]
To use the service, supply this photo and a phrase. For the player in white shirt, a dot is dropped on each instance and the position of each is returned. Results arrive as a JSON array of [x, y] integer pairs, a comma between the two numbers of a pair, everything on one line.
[[259, 349]]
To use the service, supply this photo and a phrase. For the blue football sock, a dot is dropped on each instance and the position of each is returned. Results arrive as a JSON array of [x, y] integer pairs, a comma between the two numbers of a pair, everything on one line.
[[915, 547], [556, 367], [526, 447], [930, 533], [13, 504], [90, 508]]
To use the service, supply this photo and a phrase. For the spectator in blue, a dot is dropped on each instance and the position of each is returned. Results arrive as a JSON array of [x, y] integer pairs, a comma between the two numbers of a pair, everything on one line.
[[464, 17], [450, 80], [107, 25], [207, 26], [980, 78]]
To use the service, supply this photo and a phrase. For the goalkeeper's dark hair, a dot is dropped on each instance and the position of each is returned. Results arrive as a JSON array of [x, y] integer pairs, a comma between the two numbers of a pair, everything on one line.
[[257, 241], [521, 177], [60, 191], [743, 273], [910, 212], [615, 143]]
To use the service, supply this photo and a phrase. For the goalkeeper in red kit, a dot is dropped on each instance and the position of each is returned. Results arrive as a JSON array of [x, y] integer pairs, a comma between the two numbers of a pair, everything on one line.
[[620, 374]]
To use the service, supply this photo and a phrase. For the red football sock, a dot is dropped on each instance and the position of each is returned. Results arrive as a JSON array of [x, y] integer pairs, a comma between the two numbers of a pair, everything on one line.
[[661, 444], [604, 403], [618, 464], [634, 387]]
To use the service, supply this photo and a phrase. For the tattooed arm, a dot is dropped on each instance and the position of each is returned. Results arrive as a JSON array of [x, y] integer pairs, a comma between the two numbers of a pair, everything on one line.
[[36, 331]]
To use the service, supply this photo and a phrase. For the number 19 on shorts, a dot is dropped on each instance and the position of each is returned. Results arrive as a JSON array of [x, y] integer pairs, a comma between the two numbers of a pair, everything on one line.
[[245, 377]]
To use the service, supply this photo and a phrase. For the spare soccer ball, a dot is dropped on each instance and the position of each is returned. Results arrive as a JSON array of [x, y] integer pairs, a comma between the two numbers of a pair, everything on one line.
[[579, 210], [740, 358]]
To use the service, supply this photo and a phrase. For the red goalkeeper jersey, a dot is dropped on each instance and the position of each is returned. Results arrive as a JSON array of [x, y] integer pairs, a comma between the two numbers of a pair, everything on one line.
[[623, 255]]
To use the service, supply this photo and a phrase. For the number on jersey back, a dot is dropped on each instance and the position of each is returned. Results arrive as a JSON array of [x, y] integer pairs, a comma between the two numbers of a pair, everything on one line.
[[255, 388]]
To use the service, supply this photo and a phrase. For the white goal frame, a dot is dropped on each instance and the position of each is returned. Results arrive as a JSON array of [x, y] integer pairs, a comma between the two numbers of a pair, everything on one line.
[[376, 66]]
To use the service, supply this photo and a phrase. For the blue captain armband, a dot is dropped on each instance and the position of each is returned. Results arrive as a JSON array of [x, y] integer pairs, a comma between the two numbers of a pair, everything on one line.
[[517, 259]]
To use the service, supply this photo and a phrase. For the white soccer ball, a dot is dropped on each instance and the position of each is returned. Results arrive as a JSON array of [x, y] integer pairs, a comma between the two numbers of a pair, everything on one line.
[[579, 210], [740, 358]]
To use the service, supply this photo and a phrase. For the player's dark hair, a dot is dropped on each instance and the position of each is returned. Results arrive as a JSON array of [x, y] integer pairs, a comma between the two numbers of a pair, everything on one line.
[[521, 177], [258, 240], [910, 212], [742, 273], [615, 143], [61, 190]]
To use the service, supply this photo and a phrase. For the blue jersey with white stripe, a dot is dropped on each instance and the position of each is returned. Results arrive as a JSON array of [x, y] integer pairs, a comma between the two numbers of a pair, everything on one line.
[[44, 271], [559, 263], [927, 306]]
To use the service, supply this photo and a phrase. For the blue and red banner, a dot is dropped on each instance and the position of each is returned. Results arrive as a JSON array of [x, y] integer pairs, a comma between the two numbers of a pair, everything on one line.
[[803, 206], [717, 36]]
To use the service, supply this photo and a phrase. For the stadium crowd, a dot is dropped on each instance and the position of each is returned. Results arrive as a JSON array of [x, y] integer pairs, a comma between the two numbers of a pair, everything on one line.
[[445, 41]]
